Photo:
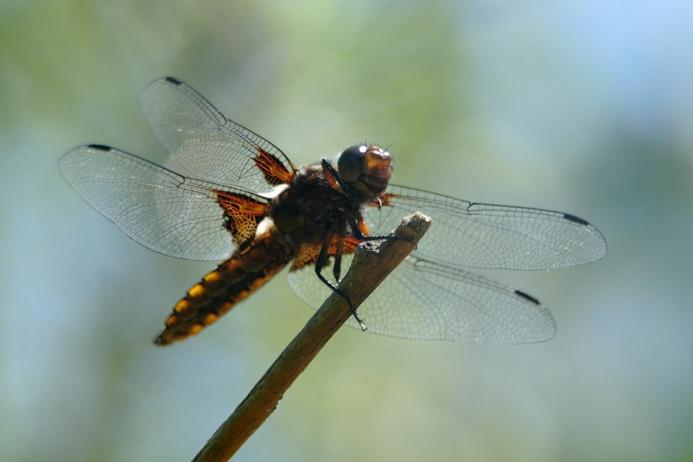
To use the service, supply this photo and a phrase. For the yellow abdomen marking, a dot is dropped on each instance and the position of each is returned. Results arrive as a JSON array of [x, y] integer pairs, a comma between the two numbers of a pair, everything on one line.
[[198, 290], [212, 277], [181, 306]]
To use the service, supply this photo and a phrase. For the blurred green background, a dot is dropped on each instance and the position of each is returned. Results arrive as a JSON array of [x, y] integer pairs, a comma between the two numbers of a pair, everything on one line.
[[576, 105]]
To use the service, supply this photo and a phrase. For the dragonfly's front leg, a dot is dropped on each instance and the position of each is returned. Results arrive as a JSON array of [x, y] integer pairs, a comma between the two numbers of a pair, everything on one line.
[[360, 230]]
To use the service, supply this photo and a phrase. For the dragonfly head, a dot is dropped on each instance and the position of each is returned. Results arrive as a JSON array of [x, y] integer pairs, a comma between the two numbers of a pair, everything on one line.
[[366, 168]]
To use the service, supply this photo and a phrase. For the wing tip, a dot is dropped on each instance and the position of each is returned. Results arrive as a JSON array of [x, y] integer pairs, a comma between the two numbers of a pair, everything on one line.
[[155, 85], [73, 155], [599, 243], [546, 328]]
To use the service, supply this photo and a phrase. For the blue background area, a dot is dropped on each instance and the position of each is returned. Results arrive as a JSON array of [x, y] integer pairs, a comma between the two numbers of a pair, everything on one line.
[[583, 106]]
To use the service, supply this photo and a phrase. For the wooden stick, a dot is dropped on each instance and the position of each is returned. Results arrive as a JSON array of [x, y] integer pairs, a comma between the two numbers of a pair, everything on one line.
[[372, 263]]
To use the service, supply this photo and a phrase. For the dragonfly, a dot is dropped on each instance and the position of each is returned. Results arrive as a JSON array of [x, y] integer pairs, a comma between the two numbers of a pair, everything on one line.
[[244, 203]]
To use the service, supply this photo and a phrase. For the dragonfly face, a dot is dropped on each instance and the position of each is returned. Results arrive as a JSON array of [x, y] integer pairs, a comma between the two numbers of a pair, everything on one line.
[[366, 169], [250, 207]]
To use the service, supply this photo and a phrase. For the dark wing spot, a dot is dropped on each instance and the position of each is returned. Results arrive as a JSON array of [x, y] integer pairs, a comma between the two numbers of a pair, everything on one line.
[[100, 147], [174, 80], [527, 297], [575, 219]]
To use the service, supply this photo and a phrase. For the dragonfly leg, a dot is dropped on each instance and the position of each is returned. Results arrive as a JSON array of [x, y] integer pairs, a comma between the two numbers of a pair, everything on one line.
[[320, 263], [330, 170], [358, 234], [337, 267]]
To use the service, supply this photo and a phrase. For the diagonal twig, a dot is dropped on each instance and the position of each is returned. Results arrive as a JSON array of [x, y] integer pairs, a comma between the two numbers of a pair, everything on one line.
[[371, 264]]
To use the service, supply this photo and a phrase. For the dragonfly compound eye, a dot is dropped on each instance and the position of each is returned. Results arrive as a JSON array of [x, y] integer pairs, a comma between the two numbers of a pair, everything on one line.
[[350, 163]]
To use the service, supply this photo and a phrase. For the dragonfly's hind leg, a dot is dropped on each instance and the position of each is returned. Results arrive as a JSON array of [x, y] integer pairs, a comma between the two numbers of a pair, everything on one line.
[[339, 251]]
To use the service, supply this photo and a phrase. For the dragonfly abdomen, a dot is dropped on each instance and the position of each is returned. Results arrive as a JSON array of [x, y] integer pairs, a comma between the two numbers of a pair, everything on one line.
[[221, 289]]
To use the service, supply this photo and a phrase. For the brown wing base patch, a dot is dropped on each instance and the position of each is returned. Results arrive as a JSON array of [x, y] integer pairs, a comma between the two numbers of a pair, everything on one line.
[[308, 253], [273, 169], [241, 214]]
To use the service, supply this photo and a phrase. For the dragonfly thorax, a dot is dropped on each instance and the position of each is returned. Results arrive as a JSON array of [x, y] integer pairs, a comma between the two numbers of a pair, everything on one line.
[[310, 206]]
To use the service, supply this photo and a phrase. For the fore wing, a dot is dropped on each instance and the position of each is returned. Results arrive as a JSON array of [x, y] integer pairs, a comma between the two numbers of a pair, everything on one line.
[[160, 209], [489, 236]]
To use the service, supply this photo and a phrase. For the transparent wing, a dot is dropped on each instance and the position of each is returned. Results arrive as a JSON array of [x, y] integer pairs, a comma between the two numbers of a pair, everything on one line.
[[488, 236], [208, 144], [424, 300], [156, 207]]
